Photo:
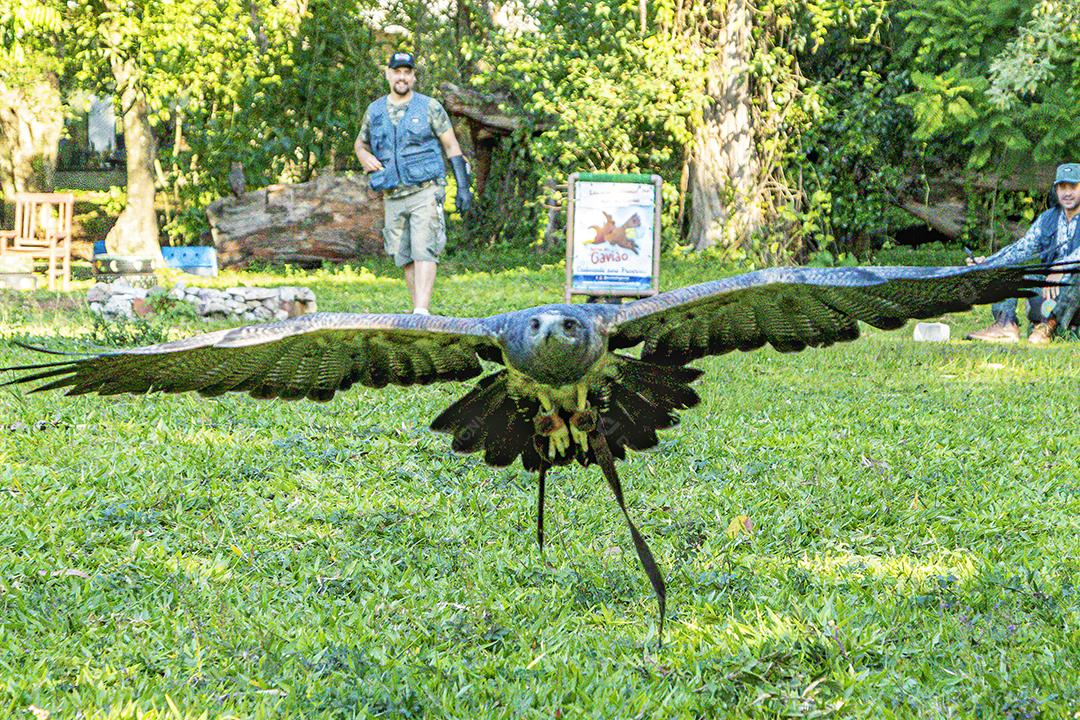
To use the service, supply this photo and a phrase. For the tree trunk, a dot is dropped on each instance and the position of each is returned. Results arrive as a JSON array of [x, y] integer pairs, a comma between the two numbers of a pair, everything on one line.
[[31, 121], [724, 168], [136, 230]]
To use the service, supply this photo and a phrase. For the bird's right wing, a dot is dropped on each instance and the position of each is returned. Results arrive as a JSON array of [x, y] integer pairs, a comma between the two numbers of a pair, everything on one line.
[[311, 356], [795, 308]]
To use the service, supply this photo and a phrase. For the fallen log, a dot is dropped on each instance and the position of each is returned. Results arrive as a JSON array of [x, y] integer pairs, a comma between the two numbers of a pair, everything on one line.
[[332, 218], [949, 218], [485, 109]]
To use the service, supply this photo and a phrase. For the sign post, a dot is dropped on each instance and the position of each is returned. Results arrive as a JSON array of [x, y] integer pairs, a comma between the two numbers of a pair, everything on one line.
[[613, 235]]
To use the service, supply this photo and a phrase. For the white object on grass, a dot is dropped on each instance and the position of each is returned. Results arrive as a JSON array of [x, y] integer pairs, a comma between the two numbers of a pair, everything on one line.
[[932, 332]]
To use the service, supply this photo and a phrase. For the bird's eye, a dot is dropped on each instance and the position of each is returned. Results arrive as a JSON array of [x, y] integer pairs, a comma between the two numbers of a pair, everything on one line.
[[569, 325], [534, 324]]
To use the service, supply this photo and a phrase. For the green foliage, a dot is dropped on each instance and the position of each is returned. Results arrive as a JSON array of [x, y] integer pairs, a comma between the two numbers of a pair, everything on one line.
[[942, 103], [23, 24], [595, 95], [994, 82], [830, 123], [174, 556], [851, 101], [121, 332], [286, 109]]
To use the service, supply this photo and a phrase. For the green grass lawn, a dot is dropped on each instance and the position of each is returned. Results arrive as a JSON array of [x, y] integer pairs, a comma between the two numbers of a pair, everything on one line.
[[915, 548]]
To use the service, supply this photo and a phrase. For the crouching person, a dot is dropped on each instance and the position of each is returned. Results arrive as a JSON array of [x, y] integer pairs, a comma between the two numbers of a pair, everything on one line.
[[1053, 237]]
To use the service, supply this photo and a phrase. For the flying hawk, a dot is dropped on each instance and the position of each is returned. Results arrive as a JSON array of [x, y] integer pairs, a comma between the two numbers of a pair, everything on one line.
[[569, 388]]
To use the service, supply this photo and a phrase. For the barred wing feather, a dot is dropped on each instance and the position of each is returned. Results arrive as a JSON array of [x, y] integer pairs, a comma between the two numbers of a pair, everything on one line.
[[795, 308], [312, 356]]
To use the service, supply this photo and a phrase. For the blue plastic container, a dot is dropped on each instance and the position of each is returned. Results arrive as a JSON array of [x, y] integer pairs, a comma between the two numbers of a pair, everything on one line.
[[197, 260]]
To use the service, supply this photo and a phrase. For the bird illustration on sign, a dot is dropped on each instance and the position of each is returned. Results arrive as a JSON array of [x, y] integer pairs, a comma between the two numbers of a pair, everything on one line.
[[617, 236]]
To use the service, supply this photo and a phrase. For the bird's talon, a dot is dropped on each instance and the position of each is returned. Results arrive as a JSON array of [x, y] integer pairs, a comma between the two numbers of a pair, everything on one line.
[[584, 420], [548, 425]]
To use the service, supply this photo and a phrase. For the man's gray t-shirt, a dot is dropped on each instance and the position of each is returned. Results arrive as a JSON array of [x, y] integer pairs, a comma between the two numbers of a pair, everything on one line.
[[440, 123]]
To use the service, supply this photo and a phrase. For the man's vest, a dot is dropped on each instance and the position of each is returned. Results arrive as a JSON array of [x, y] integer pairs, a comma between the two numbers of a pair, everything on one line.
[[1048, 225], [409, 151]]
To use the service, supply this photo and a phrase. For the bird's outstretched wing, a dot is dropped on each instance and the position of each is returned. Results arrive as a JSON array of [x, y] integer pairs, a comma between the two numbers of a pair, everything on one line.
[[795, 308], [311, 356]]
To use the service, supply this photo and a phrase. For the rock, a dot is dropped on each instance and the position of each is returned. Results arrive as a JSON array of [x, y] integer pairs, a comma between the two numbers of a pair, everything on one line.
[[255, 293], [98, 293], [140, 307], [116, 307], [16, 264], [247, 303], [212, 307], [333, 217]]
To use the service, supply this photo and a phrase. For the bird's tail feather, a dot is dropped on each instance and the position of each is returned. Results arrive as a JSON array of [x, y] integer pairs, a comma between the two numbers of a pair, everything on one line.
[[492, 420], [636, 400], [642, 399]]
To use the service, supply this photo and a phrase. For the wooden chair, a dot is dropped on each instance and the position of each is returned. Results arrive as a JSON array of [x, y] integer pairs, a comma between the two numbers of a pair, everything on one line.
[[43, 231]]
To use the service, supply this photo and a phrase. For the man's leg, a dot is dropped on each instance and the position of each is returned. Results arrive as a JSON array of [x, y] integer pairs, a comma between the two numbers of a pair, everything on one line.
[[1004, 312], [1006, 326], [423, 284], [410, 281], [1061, 311], [397, 238], [428, 238], [1068, 301]]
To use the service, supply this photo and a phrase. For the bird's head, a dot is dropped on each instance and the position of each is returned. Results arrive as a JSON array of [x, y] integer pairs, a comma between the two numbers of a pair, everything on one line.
[[555, 344]]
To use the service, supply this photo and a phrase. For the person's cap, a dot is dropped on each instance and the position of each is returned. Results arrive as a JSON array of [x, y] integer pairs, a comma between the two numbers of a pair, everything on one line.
[[1068, 173], [401, 59]]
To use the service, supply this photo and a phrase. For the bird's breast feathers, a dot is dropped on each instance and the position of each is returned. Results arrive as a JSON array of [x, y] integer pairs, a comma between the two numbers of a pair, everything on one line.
[[565, 396]]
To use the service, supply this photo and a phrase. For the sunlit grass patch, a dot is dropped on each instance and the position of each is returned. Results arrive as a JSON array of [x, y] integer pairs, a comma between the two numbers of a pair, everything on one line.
[[909, 547]]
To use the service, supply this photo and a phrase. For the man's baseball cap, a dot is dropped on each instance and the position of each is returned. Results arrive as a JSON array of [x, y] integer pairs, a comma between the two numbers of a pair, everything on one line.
[[1068, 173], [404, 59]]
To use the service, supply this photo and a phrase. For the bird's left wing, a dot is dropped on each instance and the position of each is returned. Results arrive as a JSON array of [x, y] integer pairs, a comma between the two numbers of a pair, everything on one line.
[[311, 356], [795, 308]]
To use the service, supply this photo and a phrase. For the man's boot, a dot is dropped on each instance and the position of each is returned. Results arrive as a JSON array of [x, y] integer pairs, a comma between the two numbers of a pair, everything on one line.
[[1043, 333], [1004, 330]]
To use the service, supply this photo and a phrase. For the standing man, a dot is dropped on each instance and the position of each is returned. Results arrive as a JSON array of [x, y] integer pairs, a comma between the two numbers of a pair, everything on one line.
[[1053, 237], [402, 138]]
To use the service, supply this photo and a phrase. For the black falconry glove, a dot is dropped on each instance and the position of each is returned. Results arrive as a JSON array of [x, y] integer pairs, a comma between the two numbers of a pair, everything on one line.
[[463, 198]]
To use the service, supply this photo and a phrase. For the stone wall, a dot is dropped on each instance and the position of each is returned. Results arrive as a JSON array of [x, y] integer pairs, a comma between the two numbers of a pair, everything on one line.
[[120, 299]]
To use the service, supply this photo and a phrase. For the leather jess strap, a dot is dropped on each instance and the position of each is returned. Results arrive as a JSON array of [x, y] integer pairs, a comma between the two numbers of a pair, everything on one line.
[[607, 465]]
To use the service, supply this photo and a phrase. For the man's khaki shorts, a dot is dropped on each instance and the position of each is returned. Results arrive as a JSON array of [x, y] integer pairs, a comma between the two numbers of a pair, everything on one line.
[[415, 226]]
